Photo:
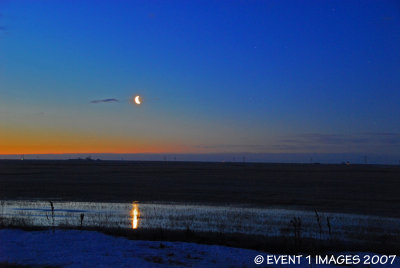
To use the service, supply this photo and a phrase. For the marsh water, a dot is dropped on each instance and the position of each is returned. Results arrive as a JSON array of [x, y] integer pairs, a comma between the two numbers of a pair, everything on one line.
[[225, 219]]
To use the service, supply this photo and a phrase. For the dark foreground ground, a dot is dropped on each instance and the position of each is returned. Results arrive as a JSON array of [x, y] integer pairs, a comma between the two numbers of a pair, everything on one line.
[[365, 189]]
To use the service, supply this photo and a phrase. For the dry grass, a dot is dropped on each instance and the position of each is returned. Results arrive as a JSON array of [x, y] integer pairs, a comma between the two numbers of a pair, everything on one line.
[[290, 241]]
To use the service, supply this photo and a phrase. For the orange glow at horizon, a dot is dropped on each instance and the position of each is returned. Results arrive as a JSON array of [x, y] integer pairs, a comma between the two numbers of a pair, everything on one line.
[[20, 142], [135, 213]]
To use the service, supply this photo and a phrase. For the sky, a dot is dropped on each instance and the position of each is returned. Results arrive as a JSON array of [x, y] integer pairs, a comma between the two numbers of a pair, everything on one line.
[[215, 77]]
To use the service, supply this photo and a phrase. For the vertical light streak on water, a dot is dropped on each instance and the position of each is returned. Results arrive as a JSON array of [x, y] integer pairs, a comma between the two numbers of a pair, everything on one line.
[[135, 213]]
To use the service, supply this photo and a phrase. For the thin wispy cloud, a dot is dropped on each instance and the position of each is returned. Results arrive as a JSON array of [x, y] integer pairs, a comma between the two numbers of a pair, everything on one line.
[[317, 142], [358, 139], [104, 101], [386, 137], [318, 138], [225, 146]]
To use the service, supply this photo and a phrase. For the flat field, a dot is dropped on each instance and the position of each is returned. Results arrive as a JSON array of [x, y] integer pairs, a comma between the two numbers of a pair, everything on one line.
[[362, 189]]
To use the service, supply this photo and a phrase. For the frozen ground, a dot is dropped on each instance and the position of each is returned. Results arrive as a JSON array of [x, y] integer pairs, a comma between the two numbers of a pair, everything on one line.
[[92, 249], [73, 248]]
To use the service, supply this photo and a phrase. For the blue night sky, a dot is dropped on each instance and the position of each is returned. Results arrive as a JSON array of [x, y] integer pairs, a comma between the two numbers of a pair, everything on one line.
[[215, 77]]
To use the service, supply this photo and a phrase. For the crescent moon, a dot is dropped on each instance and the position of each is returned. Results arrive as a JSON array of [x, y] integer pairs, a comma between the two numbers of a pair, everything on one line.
[[137, 100]]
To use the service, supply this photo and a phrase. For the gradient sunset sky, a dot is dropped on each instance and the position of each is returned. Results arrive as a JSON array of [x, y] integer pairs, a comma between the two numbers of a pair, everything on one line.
[[215, 77]]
